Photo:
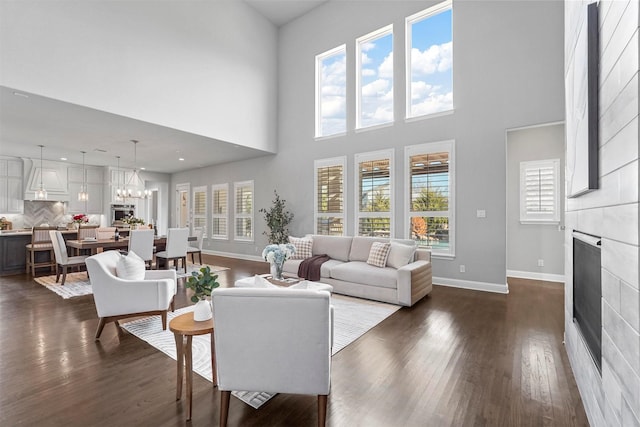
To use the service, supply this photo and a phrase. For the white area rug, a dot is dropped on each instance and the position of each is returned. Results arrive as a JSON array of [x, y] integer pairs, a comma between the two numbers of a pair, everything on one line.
[[76, 284], [352, 316]]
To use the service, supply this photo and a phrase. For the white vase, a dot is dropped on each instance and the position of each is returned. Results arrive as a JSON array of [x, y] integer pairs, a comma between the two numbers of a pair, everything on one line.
[[202, 311]]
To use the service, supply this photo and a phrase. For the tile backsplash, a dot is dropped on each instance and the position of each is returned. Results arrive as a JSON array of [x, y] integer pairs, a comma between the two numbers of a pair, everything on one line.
[[38, 212]]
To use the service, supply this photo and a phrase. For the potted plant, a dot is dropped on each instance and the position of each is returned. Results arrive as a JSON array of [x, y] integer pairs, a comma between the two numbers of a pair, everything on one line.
[[202, 282], [278, 219], [276, 255], [80, 219]]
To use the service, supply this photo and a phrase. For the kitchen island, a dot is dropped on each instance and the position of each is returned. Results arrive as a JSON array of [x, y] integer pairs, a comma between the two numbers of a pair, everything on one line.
[[13, 252]]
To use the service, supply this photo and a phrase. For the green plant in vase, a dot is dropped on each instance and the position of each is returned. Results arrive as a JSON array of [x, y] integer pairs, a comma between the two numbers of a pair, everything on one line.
[[278, 219], [202, 282]]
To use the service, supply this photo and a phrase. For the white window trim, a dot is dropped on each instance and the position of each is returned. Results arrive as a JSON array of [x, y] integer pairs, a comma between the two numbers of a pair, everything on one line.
[[237, 215], [409, 21], [384, 31], [370, 156], [225, 215], [319, 59], [324, 163], [200, 189], [432, 147], [540, 218]]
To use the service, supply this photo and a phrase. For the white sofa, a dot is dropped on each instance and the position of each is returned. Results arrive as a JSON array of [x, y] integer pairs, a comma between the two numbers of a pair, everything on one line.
[[350, 274]]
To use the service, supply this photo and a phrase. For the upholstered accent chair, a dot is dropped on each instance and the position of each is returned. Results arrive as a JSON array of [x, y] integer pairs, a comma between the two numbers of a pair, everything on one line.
[[63, 260], [273, 340], [119, 298], [141, 242], [176, 248], [195, 247]]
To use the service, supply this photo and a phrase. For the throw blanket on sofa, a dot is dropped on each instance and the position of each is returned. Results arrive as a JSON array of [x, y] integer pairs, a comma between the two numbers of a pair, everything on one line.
[[309, 269]]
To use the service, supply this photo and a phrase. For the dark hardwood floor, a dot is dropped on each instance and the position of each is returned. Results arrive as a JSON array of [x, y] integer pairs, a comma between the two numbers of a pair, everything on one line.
[[457, 358]]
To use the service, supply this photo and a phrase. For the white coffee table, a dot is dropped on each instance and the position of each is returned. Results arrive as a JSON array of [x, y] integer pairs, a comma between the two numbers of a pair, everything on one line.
[[249, 282]]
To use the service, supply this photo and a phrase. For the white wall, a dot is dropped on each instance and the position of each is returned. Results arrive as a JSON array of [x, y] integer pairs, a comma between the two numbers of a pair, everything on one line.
[[613, 397], [205, 67], [527, 243], [508, 73]]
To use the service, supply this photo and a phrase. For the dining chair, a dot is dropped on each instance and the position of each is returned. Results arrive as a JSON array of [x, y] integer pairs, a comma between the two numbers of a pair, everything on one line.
[[259, 348], [119, 298], [104, 233], [40, 242], [87, 231], [141, 242], [62, 259], [195, 247], [176, 248]]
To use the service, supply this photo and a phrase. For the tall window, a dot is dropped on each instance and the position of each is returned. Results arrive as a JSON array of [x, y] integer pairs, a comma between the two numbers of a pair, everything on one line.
[[200, 208], [374, 193], [243, 210], [331, 97], [429, 42], [219, 211], [540, 192], [374, 100], [329, 200], [430, 196]]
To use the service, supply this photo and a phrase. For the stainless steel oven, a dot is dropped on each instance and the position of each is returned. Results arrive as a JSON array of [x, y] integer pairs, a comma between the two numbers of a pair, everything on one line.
[[120, 212]]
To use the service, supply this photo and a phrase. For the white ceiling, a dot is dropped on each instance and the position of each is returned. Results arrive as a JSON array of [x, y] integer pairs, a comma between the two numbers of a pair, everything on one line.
[[28, 120]]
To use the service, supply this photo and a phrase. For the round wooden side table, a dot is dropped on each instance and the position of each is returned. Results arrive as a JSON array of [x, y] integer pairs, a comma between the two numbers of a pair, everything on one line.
[[184, 328]]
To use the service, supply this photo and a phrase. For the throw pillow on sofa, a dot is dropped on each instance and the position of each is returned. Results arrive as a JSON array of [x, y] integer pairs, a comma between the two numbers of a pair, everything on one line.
[[379, 253], [400, 254], [130, 267], [303, 247]]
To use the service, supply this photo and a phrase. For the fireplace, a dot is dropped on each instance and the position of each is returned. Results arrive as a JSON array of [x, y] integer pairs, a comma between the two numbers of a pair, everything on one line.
[[587, 292]]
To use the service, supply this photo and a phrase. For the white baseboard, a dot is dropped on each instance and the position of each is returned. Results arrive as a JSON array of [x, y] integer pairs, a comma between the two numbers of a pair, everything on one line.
[[469, 284], [234, 255], [547, 277]]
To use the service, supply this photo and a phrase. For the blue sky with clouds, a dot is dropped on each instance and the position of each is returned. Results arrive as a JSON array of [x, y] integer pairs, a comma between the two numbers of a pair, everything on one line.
[[431, 76]]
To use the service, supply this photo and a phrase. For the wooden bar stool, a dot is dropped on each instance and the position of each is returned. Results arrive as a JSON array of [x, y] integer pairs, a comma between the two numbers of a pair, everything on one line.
[[40, 242]]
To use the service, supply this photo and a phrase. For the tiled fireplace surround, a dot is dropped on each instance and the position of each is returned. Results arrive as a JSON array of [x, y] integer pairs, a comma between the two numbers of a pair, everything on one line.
[[612, 398]]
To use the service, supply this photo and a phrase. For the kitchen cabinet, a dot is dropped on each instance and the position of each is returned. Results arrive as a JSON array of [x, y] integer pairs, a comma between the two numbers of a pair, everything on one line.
[[95, 189], [11, 186]]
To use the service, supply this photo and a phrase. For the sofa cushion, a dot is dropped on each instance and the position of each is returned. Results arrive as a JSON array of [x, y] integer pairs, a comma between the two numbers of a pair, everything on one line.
[[361, 246], [303, 247], [361, 272], [337, 247], [379, 253], [291, 266], [130, 267], [400, 255]]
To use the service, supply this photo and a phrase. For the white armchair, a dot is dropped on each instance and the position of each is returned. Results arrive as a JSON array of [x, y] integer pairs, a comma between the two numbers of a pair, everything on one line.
[[273, 340], [116, 298]]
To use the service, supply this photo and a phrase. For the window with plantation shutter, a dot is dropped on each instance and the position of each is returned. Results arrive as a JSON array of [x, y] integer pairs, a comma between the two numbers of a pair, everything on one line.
[[219, 211], [200, 208], [329, 201], [430, 196], [374, 193], [243, 216], [539, 191]]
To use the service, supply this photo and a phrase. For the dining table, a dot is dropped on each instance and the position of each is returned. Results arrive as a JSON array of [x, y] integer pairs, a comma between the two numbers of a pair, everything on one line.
[[93, 245]]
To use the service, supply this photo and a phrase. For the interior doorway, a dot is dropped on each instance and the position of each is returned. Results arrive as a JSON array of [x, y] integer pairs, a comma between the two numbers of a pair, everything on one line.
[[535, 242], [182, 205]]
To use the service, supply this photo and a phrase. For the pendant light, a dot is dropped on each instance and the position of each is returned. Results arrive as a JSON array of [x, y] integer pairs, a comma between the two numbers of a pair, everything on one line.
[[83, 196], [131, 188], [41, 194], [119, 191]]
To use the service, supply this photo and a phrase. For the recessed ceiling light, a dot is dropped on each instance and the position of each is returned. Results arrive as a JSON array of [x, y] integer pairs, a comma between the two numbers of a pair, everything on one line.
[[181, 159], [63, 158], [21, 95], [142, 169]]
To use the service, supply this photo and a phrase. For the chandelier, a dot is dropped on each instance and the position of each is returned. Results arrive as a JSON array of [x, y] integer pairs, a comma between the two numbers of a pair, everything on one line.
[[131, 189], [41, 194]]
